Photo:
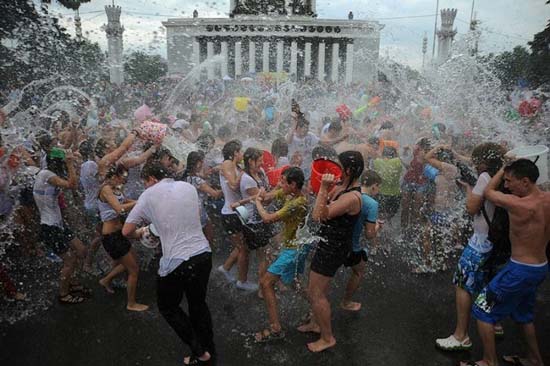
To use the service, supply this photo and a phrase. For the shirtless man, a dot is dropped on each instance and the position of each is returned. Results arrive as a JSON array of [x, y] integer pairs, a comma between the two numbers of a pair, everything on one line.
[[513, 291]]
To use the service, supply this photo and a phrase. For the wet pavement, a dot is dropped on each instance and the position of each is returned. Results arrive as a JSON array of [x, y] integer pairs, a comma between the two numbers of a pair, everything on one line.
[[401, 317]]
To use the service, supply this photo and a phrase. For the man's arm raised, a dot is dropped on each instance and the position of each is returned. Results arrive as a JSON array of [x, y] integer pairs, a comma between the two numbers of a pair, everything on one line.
[[507, 201]]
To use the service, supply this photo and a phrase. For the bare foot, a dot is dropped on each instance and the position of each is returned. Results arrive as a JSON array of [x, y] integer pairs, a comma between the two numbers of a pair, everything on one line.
[[309, 327], [350, 305], [321, 345], [137, 307], [516, 360], [107, 286]]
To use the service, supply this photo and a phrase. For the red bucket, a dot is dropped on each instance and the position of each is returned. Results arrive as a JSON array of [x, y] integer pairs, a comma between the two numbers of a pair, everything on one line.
[[275, 174], [269, 161], [320, 167]]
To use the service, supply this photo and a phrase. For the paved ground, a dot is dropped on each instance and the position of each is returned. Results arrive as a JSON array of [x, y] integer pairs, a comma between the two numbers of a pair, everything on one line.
[[402, 316]]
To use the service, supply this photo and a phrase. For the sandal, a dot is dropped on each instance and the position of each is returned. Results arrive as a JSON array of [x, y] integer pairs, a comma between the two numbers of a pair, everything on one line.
[[452, 344], [70, 299], [267, 335], [81, 289]]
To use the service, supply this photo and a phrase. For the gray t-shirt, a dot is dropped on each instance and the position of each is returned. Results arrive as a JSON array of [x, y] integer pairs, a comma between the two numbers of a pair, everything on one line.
[[46, 197]]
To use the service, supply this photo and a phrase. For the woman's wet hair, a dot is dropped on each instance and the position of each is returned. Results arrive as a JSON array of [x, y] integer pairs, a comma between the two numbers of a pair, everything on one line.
[[230, 149], [370, 177], [86, 149], [193, 160], [279, 147], [352, 164], [101, 147], [154, 169], [523, 168], [294, 175], [491, 155], [117, 170], [251, 154], [57, 166]]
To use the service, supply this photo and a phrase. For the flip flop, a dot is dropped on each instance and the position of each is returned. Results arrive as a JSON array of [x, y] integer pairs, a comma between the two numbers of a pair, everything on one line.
[[81, 289], [267, 335], [70, 299], [513, 360]]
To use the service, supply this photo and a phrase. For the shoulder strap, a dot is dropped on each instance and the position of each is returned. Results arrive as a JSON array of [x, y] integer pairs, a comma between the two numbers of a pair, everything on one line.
[[484, 212]]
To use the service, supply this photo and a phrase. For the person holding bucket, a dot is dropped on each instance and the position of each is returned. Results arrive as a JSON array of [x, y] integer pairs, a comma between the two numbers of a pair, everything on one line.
[[338, 211]]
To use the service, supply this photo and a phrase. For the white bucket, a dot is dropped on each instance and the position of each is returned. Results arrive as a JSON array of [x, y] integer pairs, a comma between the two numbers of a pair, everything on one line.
[[537, 154]]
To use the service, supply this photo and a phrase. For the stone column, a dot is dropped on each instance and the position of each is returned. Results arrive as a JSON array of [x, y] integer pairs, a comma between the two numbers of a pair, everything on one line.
[[293, 58], [349, 63], [196, 52], [225, 60], [238, 59], [252, 57], [307, 60], [209, 56], [265, 56], [280, 49], [321, 62], [335, 59], [114, 31]]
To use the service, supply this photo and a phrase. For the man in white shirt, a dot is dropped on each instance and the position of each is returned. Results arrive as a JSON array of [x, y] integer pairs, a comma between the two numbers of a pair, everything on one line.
[[173, 208]]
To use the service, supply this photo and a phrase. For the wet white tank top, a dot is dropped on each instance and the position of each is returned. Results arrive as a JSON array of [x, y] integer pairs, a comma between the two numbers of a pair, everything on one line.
[[229, 195]]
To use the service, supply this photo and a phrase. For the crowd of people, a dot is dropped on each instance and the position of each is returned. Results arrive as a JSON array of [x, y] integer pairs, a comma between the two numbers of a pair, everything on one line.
[[84, 183]]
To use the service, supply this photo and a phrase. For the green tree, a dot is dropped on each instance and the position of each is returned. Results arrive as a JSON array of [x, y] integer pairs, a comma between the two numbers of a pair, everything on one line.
[[512, 66], [141, 67], [540, 55]]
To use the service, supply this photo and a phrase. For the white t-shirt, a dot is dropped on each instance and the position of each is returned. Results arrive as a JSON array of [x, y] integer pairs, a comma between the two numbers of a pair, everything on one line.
[[229, 195], [173, 207], [89, 181], [46, 197], [480, 224], [247, 182]]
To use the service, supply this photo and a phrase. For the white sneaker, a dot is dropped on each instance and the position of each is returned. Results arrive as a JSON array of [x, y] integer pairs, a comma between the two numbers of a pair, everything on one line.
[[248, 286], [452, 344], [228, 275]]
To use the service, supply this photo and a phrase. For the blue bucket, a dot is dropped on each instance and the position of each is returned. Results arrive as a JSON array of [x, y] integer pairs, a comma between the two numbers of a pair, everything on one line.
[[430, 172]]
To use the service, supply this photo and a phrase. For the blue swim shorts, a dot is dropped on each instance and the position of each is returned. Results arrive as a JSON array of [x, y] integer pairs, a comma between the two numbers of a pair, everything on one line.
[[289, 264], [512, 292], [470, 275]]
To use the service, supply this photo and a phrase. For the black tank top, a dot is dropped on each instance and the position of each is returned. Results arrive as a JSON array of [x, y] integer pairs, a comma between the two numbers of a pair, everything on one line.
[[338, 231]]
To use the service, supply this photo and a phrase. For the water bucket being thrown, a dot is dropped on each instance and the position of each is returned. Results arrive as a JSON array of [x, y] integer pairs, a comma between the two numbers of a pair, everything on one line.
[[537, 154], [320, 167], [152, 131]]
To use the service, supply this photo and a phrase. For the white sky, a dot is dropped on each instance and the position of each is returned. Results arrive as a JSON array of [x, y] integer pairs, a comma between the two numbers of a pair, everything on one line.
[[504, 23]]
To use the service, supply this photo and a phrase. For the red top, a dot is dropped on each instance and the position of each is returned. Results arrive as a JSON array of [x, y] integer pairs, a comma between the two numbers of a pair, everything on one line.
[[415, 173]]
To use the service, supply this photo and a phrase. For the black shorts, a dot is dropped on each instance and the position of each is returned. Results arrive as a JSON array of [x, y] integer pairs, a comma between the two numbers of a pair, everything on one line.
[[257, 235], [56, 238], [389, 205], [354, 258], [232, 224], [116, 245], [329, 257]]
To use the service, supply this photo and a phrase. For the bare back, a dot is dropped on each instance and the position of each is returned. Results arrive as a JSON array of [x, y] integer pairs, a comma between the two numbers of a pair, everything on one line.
[[530, 227]]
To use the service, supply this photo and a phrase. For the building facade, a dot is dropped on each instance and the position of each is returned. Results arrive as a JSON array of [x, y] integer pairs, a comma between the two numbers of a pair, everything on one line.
[[274, 36]]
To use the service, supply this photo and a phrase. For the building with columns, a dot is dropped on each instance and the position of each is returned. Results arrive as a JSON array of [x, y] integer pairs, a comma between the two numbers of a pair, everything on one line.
[[274, 36]]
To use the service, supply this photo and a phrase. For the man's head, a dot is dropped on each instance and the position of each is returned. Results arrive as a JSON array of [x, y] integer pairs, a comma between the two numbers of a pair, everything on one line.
[[370, 182], [389, 152], [152, 173], [292, 180], [520, 177]]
